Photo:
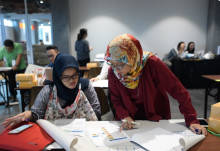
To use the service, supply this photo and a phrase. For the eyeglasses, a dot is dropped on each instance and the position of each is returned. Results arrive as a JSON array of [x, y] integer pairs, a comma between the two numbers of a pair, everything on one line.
[[67, 78], [119, 67], [50, 56]]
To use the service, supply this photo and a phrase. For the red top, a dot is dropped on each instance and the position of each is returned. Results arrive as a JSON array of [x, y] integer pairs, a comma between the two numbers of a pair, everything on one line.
[[155, 81]]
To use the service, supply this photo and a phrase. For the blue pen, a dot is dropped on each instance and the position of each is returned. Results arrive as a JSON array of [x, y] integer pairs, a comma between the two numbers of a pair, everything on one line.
[[196, 130]]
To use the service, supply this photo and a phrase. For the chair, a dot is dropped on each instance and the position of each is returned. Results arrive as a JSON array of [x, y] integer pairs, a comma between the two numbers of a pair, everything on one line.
[[94, 72], [103, 100], [33, 94]]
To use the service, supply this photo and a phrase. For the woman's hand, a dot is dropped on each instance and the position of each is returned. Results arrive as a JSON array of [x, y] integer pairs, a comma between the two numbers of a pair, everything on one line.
[[94, 79], [90, 48], [17, 119], [127, 125], [198, 129]]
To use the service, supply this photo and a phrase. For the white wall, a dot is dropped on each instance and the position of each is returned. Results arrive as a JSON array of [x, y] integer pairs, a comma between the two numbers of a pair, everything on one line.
[[159, 25]]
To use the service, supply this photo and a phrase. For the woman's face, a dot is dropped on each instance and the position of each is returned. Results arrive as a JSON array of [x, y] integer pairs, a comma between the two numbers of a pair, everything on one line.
[[70, 77], [191, 46], [125, 69]]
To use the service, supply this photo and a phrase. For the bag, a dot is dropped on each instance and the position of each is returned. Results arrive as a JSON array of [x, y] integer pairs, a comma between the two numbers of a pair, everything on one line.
[[31, 139]]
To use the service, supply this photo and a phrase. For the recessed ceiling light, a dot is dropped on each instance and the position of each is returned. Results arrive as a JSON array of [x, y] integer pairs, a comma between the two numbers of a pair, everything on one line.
[[41, 2]]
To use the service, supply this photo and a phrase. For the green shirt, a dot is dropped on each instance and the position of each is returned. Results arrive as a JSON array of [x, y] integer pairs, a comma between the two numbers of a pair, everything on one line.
[[13, 56]]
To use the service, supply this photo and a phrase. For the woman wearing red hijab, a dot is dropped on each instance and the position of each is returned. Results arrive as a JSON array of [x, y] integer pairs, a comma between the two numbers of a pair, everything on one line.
[[138, 82]]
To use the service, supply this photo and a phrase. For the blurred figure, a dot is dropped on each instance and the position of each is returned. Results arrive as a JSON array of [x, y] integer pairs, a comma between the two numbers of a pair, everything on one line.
[[41, 42], [103, 75], [174, 52], [52, 52], [191, 47], [83, 49], [12, 52]]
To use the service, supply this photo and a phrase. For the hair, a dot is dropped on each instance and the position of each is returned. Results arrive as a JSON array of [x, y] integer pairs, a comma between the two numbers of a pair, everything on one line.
[[9, 43], [81, 33], [53, 47], [188, 47], [178, 46], [41, 40]]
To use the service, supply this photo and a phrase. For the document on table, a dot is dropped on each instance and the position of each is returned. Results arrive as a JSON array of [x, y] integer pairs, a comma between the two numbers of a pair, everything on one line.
[[106, 135], [75, 127], [157, 139], [127, 146]]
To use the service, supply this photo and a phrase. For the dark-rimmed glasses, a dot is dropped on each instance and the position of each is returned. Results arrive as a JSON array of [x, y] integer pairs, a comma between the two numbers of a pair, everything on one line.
[[119, 67], [67, 78]]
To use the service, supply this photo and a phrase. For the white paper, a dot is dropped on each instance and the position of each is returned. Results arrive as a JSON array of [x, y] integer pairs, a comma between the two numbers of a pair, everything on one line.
[[106, 135], [13, 62], [100, 83], [157, 139], [127, 146], [188, 142], [75, 127], [64, 139]]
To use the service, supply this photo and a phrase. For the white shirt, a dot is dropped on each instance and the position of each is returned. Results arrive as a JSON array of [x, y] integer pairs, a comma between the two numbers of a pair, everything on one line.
[[104, 73]]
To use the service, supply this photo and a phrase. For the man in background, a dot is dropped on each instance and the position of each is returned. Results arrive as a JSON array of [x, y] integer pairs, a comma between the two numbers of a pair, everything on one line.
[[51, 52], [12, 53]]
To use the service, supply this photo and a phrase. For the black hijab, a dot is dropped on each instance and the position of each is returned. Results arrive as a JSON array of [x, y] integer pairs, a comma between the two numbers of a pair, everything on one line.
[[62, 62]]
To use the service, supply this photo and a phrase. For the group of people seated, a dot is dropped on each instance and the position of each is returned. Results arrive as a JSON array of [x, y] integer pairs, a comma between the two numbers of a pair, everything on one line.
[[178, 52], [138, 84]]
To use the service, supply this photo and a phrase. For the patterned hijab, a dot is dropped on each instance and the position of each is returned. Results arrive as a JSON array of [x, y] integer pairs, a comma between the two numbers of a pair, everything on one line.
[[125, 48]]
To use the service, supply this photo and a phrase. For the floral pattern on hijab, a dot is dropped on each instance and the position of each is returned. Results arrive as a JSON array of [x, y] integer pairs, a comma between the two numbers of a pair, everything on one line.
[[127, 49]]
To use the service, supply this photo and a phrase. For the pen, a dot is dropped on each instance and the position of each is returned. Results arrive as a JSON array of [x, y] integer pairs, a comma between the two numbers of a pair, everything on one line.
[[135, 123], [196, 130]]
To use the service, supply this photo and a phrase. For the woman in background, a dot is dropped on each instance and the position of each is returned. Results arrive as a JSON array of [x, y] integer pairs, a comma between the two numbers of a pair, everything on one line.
[[191, 47], [138, 82], [83, 49], [67, 97]]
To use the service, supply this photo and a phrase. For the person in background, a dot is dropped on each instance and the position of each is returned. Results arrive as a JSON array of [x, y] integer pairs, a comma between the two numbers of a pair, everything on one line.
[[138, 82], [41, 42], [68, 97], [103, 75], [51, 52], [174, 52], [13, 52], [83, 49], [191, 47]]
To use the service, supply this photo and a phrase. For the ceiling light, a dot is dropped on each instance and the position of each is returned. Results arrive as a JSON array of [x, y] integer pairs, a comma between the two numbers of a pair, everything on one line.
[[41, 2], [48, 22]]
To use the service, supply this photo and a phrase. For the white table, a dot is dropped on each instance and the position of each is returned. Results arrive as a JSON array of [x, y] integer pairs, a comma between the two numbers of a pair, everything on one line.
[[84, 143], [101, 83]]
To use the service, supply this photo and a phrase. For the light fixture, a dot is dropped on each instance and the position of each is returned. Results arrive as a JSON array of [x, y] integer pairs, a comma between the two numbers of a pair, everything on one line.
[[48, 22], [41, 2]]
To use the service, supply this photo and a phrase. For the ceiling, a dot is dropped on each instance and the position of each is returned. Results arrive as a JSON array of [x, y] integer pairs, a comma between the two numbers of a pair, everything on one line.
[[17, 6]]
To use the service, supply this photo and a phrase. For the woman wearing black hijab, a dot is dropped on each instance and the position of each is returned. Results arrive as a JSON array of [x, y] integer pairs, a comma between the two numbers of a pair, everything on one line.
[[69, 96]]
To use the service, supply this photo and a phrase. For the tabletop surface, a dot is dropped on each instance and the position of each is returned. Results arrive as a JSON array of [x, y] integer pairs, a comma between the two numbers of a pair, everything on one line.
[[210, 143], [5, 68], [212, 77], [84, 68]]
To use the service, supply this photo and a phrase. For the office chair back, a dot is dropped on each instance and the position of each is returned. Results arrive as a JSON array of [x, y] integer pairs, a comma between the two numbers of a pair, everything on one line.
[[94, 72], [103, 100], [33, 94]]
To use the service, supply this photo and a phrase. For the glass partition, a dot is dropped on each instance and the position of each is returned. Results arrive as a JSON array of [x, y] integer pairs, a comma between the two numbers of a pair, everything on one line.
[[15, 29], [40, 39]]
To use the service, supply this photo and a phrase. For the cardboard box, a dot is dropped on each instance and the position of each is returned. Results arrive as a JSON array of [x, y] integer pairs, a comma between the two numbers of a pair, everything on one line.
[[90, 65], [214, 125], [215, 111], [28, 84], [25, 77]]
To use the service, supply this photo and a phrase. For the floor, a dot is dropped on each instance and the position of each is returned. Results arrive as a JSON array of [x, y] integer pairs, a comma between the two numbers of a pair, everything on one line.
[[197, 96]]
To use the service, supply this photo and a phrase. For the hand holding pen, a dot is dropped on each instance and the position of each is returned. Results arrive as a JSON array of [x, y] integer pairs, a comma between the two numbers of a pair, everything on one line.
[[128, 123]]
